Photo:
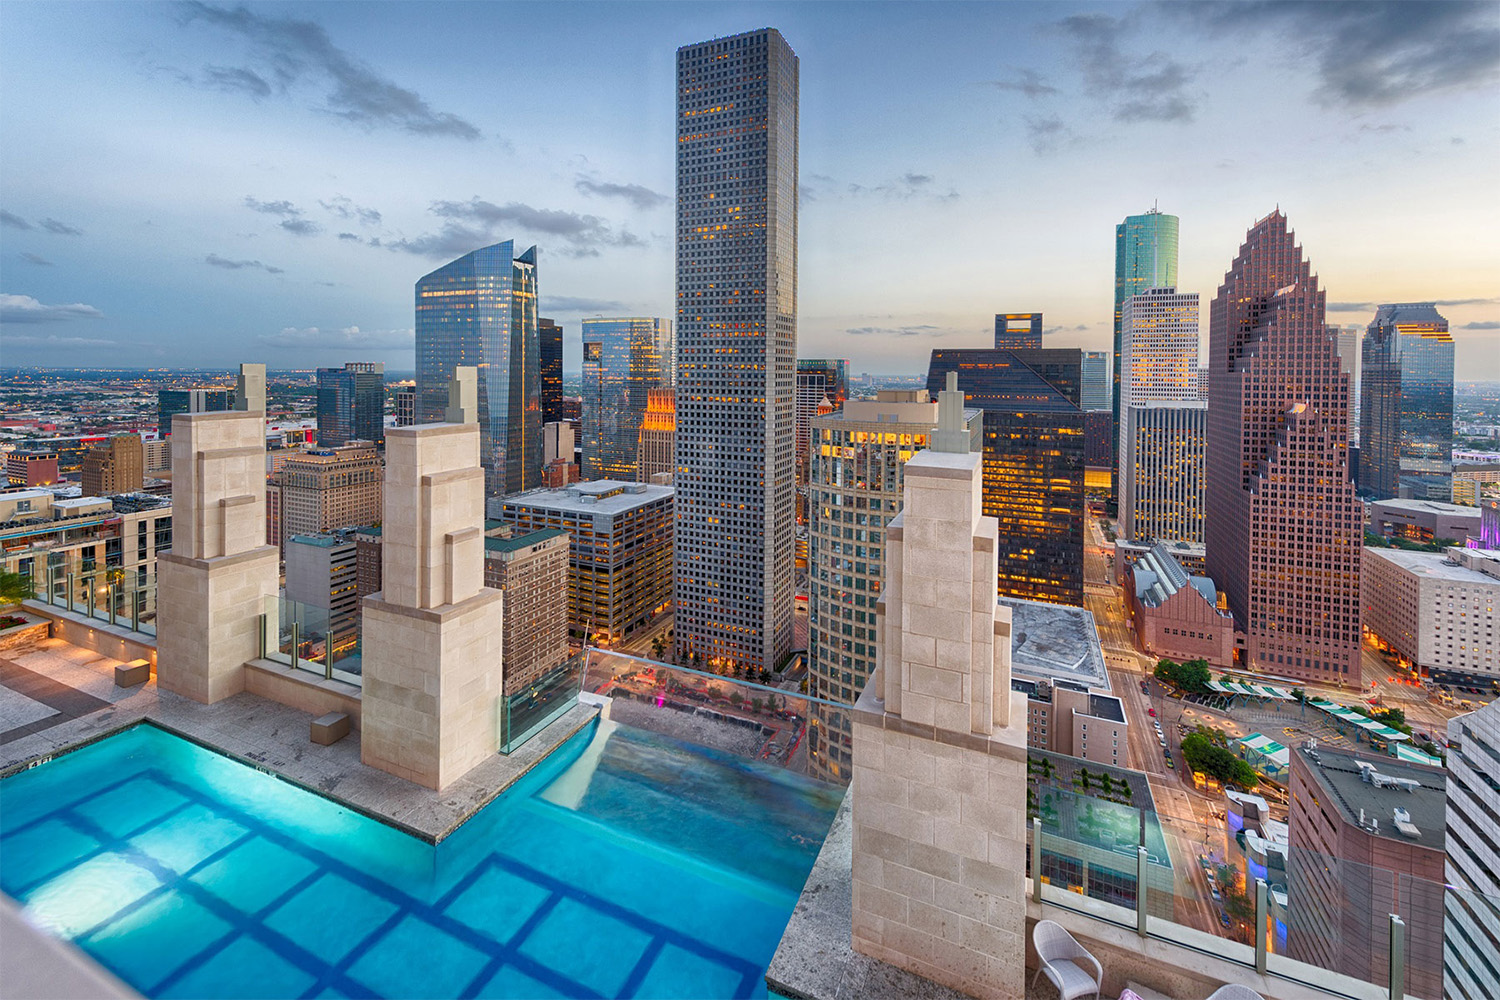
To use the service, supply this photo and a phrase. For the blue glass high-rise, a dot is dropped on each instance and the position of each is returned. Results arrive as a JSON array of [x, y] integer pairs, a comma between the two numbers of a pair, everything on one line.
[[623, 360], [481, 310], [1145, 257], [1406, 404]]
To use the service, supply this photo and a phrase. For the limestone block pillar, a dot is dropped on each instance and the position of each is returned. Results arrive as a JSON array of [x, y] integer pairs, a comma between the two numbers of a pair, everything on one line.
[[432, 636], [215, 582], [939, 788]]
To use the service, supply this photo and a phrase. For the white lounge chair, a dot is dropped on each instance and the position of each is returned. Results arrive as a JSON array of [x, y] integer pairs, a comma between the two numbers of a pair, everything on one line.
[[1234, 991], [1061, 958]]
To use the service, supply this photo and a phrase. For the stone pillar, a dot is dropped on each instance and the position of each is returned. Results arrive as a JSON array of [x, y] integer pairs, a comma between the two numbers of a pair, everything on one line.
[[940, 744], [432, 636], [215, 582]]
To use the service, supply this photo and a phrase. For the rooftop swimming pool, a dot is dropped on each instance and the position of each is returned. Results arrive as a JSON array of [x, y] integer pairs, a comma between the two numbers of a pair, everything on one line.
[[627, 864]]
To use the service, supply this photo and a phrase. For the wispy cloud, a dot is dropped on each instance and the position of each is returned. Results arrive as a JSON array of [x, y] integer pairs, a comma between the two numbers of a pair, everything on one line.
[[1371, 54], [346, 209], [921, 330], [60, 228], [471, 224], [1138, 88], [37, 260], [1482, 324], [13, 221], [906, 187], [289, 51], [641, 197], [283, 208], [215, 260], [52, 340], [25, 309], [1047, 134], [301, 227], [1027, 82], [345, 338], [572, 304]]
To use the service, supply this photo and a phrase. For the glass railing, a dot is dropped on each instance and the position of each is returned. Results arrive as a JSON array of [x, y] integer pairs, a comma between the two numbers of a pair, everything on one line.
[[310, 638], [759, 722], [1295, 914], [107, 594], [526, 709]]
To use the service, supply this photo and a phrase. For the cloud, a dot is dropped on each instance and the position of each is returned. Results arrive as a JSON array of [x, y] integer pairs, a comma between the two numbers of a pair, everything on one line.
[[60, 228], [1372, 54], [921, 330], [1028, 82], [642, 198], [350, 236], [348, 338], [301, 227], [1385, 128], [475, 223], [292, 51], [13, 221], [1349, 307], [283, 208], [1150, 88], [52, 340], [1047, 134], [1482, 324], [904, 188], [234, 80], [25, 309], [236, 265], [342, 207], [571, 304], [1371, 306], [1467, 302], [38, 261]]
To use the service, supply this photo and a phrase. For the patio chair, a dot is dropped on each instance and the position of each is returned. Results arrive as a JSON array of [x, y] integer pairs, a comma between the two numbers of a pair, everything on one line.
[[1233, 991], [1060, 955]]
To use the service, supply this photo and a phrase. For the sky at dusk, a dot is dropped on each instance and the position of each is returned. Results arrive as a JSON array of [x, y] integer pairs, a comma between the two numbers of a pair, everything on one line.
[[199, 185]]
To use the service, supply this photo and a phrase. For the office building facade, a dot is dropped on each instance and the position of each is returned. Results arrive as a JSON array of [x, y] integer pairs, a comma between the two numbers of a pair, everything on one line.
[[406, 405], [116, 467], [170, 402], [1406, 398], [351, 404], [858, 457], [1145, 257], [550, 351], [1282, 528], [1033, 462], [624, 360], [531, 570], [822, 383], [322, 582], [1161, 474], [329, 488], [1438, 611], [32, 468], [1158, 356], [1351, 357], [737, 137], [620, 556], [1097, 381], [1018, 330], [480, 310], [1471, 933], [654, 452]]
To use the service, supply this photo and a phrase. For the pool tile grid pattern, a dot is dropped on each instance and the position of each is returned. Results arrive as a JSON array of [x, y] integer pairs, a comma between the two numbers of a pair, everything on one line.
[[503, 927]]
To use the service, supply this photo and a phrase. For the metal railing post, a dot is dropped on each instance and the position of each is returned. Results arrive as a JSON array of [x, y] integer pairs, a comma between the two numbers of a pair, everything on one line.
[[1140, 890], [1036, 859], [296, 642], [69, 593], [89, 590], [262, 654], [137, 598], [112, 597], [1398, 959], [1260, 926]]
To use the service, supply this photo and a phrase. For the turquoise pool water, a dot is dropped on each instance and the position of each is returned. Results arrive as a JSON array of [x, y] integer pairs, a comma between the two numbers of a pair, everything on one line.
[[628, 864]]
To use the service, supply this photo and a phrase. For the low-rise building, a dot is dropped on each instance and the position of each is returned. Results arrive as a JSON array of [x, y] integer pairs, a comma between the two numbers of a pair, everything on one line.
[[531, 569], [367, 561], [118, 466], [1436, 610], [1069, 719], [329, 488], [1176, 615], [1422, 520], [32, 468], [1366, 840], [620, 556]]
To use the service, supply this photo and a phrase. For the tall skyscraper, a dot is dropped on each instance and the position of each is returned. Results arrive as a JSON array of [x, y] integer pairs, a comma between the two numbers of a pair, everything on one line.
[[1161, 474], [654, 452], [481, 310], [817, 379], [1018, 330], [736, 348], [1158, 360], [1033, 462], [351, 404], [845, 577], [1096, 381], [550, 348], [1283, 529], [1406, 434], [623, 361], [330, 488], [1145, 257], [1351, 359]]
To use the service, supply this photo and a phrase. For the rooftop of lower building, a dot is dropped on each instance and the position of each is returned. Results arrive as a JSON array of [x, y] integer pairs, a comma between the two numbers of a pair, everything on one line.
[[1387, 797], [1055, 642]]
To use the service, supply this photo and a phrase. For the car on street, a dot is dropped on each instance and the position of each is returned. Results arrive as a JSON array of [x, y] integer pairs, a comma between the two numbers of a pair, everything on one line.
[[1151, 712], [1224, 918]]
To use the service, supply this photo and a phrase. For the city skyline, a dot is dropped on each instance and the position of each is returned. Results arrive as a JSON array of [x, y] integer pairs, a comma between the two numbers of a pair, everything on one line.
[[210, 206]]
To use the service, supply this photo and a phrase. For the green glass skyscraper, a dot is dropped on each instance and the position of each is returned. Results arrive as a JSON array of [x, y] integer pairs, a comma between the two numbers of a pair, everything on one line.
[[1145, 257], [481, 310]]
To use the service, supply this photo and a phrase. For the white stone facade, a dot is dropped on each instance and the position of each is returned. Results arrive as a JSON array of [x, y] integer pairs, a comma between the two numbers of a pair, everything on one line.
[[1434, 610]]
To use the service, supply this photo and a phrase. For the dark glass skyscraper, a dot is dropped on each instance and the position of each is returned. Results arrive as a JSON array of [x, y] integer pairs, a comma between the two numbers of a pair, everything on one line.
[[623, 361], [817, 379], [1033, 462], [1406, 404], [736, 349], [1018, 330], [351, 404], [170, 402], [1145, 257], [1283, 529], [551, 349], [481, 310]]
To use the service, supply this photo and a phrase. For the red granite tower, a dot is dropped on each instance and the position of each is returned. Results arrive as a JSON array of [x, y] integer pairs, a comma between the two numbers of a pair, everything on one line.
[[1284, 529]]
